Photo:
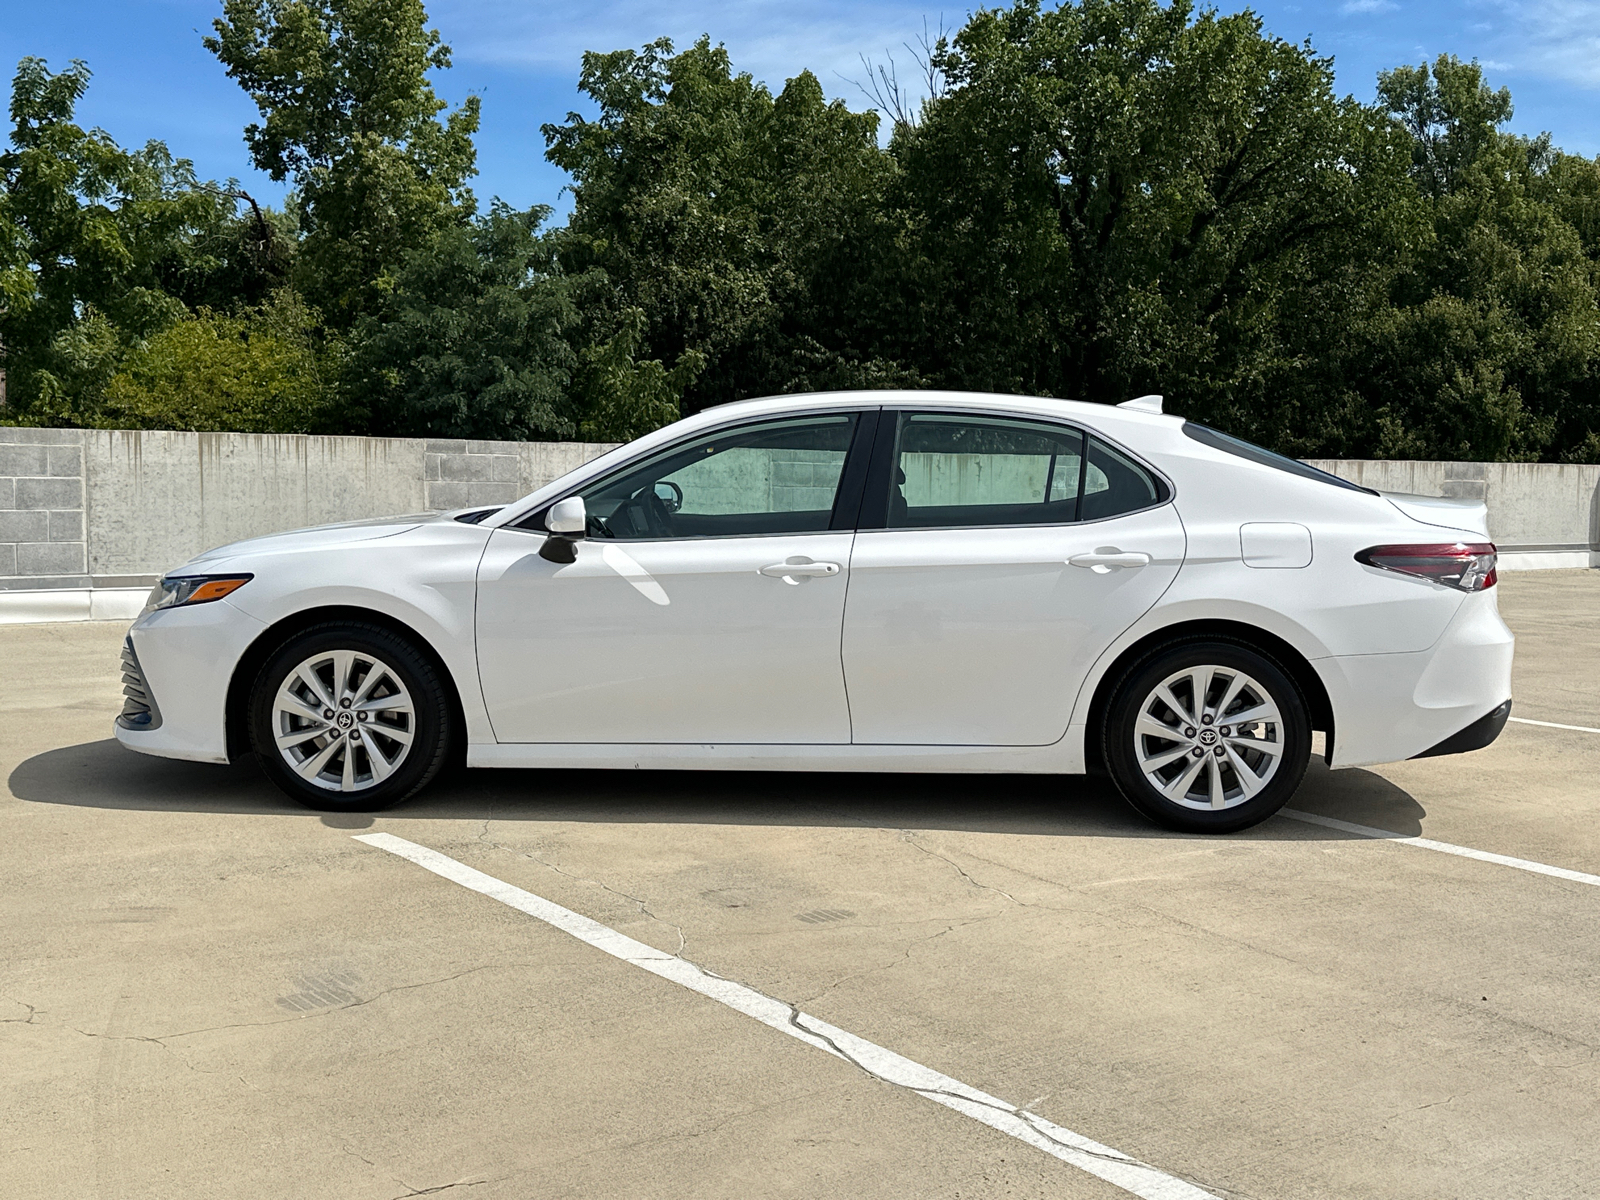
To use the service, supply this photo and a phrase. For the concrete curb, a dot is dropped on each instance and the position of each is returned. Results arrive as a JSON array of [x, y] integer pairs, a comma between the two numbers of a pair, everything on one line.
[[36, 606]]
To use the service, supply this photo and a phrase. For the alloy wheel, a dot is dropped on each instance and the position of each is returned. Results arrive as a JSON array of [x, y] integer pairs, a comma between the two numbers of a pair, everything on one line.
[[1209, 737], [343, 721]]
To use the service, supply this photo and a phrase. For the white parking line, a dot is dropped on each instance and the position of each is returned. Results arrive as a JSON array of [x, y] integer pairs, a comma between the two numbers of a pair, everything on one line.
[[1553, 725], [1103, 1162], [1504, 860]]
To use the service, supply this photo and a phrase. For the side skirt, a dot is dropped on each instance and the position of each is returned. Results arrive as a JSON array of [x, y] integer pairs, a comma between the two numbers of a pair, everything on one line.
[[1063, 758]]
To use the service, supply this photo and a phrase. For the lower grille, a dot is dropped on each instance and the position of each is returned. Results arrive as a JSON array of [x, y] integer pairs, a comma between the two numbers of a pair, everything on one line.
[[139, 709]]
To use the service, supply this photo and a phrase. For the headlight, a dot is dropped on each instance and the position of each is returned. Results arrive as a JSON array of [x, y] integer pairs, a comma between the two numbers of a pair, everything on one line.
[[192, 589]]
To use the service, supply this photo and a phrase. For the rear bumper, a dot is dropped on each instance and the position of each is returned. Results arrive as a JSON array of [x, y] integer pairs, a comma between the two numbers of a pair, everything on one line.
[[1391, 707], [1474, 737]]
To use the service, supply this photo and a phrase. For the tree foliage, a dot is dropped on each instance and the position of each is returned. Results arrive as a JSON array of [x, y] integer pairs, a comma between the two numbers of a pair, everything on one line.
[[735, 221], [94, 240], [471, 342], [261, 370], [349, 116], [1094, 200]]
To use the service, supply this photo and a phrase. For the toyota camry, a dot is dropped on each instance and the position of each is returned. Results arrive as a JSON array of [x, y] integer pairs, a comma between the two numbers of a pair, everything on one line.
[[868, 581]]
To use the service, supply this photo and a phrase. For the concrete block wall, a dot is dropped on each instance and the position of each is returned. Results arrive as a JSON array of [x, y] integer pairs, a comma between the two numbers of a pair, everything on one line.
[[86, 513], [42, 531]]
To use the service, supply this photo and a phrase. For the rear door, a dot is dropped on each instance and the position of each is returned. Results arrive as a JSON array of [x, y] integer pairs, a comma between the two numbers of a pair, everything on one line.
[[997, 558]]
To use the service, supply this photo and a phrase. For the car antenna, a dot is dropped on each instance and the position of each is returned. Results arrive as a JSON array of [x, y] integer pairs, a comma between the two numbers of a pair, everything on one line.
[[1149, 404]]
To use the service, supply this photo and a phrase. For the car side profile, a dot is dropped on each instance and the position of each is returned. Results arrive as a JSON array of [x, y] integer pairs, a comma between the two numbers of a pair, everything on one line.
[[868, 581]]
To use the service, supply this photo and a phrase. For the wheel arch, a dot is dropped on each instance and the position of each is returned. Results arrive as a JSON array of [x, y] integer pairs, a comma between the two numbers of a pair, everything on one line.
[[1295, 664], [237, 718]]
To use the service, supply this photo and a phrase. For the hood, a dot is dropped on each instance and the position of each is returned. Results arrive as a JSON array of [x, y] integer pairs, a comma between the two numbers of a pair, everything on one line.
[[320, 535], [1471, 515]]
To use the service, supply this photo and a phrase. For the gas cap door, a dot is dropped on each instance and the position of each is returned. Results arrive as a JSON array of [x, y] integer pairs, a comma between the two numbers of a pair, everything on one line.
[[1275, 545]]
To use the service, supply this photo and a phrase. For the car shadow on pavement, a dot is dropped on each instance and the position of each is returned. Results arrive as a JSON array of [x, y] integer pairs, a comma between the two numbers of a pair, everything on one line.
[[105, 775]]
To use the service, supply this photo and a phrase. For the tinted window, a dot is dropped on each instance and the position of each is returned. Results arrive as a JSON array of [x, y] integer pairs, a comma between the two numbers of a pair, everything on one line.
[[772, 477], [1115, 484], [1218, 440], [954, 470]]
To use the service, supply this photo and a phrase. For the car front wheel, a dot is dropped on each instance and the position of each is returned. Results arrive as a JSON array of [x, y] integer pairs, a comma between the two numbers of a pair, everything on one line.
[[349, 717], [1207, 737]]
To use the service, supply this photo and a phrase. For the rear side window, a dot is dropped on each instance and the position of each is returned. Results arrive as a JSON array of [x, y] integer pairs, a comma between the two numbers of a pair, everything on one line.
[[958, 470], [950, 470], [1229, 444]]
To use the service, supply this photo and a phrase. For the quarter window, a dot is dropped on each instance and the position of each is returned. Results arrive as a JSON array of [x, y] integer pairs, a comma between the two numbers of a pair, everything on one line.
[[770, 477], [1115, 484]]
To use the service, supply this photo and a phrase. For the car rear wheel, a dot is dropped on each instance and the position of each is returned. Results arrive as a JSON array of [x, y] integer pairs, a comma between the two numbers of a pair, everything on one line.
[[1207, 737], [349, 717]]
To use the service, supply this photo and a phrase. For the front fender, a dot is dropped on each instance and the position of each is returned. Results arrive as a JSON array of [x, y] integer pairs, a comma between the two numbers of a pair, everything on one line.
[[425, 579]]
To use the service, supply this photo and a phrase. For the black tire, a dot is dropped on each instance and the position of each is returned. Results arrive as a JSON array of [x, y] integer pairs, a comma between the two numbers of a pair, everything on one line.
[[1291, 737], [427, 721]]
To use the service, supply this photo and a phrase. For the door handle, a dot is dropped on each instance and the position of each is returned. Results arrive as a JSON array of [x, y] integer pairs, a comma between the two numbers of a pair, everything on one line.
[[797, 569], [1102, 561]]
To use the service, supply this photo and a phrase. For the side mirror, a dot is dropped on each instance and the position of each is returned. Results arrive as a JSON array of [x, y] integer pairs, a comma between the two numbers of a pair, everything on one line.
[[567, 521]]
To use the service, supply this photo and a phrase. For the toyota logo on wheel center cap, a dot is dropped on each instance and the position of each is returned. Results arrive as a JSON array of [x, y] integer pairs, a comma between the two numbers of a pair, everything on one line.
[[1208, 737], [347, 719]]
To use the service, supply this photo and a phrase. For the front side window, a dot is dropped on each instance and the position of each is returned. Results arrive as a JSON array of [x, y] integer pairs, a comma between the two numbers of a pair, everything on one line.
[[958, 470], [768, 477]]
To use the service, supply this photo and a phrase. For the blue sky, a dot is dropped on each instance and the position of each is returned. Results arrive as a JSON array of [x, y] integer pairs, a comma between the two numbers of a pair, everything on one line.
[[153, 79]]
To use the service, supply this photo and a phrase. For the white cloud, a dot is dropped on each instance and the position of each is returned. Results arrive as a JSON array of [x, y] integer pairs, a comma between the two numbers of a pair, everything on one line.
[[1352, 7], [1553, 37], [773, 41]]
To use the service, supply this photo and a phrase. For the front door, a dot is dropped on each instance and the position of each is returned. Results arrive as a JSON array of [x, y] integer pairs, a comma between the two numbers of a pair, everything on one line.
[[706, 604], [1006, 559]]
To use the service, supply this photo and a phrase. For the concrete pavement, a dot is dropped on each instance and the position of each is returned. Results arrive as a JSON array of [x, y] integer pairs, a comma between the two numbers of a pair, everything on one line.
[[205, 991]]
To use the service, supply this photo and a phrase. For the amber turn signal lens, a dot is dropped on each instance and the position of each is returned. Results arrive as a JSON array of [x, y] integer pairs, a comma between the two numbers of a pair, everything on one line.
[[216, 589]]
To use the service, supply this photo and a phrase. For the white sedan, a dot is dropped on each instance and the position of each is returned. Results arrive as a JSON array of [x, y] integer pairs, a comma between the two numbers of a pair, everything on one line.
[[866, 581]]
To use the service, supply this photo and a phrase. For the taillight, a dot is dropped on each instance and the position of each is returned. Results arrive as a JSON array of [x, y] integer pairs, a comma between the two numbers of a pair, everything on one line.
[[1465, 565]]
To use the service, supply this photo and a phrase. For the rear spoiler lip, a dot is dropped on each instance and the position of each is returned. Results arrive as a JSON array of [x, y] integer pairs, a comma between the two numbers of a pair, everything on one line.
[[1445, 512]]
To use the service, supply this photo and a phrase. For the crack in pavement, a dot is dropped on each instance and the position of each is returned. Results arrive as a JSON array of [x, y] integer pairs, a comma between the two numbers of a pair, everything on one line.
[[433, 1191], [909, 836], [643, 904], [903, 956], [989, 1102], [27, 1020]]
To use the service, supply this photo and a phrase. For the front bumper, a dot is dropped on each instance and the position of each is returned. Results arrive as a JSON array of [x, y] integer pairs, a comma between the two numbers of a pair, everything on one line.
[[186, 658]]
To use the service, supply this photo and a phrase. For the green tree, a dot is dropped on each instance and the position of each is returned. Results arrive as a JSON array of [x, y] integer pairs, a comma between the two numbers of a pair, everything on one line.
[[1115, 197], [348, 115], [471, 342], [622, 398], [736, 223], [89, 232], [259, 370], [1489, 347]]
